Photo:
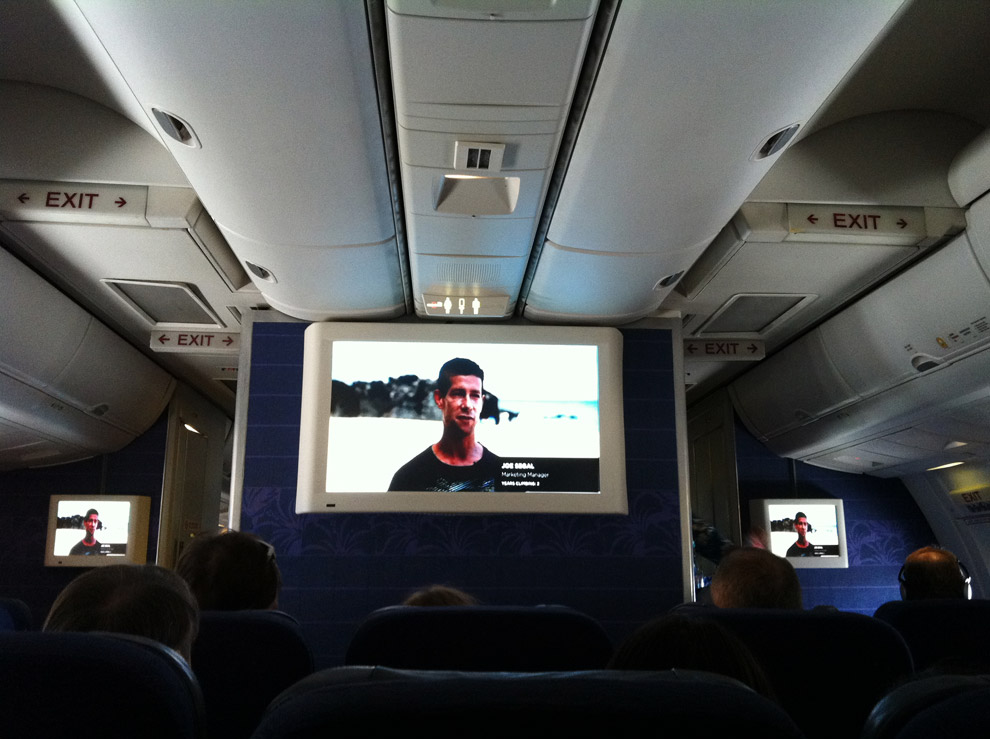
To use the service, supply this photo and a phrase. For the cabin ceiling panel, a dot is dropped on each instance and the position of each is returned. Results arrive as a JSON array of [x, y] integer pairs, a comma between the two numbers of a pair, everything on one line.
[[574, 285], [893, 158], [49, 42], [51, 134], [464, 77], [649, 176], [291, 142]]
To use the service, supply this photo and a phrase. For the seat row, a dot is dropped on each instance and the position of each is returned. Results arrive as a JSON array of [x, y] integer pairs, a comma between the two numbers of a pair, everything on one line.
[[829, 670]]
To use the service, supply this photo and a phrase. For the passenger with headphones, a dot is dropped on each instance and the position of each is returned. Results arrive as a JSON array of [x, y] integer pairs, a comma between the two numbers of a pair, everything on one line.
[[932, 572]]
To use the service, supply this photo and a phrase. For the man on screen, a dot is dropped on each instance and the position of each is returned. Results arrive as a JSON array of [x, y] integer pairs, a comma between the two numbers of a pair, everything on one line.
[[802, 547], [457, 462], [89, 544]]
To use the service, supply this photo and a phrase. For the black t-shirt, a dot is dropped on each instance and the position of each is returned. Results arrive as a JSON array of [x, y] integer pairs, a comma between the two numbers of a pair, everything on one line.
[[426, 472], [796, 551], [94, 548]]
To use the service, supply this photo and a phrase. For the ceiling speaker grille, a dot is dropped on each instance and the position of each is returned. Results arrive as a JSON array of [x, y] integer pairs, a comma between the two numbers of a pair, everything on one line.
[[468, 274]]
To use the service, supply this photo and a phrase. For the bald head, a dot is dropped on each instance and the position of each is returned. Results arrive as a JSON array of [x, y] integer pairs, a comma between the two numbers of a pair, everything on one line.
[[931, 572], [749, 577]]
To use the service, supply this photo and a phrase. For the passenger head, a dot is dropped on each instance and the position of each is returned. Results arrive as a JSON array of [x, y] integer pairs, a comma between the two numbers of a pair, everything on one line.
[[457, 366], [681, 642], [931, 572], [233, 571], [749, 577], [440, 595], [141, 600], [91, 522]]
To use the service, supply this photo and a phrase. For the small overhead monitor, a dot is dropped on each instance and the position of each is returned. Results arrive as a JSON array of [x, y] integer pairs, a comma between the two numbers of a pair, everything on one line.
[[809, 532], [540, 432], [97, 530]]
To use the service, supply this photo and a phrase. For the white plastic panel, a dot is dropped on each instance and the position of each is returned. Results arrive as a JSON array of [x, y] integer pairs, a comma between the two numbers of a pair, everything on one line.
[[50, 134], [483, 62], [515, 10], [576, 285], [790, 389], [38, 348], [319, 283], [433, 149], [314, 172], [465, 236], [482, 276], [979, 232], [931, 314], [899, 158], [689, 169], [65, 377], [38, 429], [969, 176], [421, 186]]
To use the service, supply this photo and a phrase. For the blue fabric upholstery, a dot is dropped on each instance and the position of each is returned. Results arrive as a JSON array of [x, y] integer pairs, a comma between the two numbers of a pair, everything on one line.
[[375, 701], [14, 615], [938, 706], [115, 687], [243, 659], [516, 638], [828, 668], [943, 635]]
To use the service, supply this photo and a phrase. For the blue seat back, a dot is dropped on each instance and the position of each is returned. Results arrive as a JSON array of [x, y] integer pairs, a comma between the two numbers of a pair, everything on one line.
[[828, 669], [515, 638], [375, 701], [115, 687], [14, 615], [943, 635], [938, 706], [243, 659]]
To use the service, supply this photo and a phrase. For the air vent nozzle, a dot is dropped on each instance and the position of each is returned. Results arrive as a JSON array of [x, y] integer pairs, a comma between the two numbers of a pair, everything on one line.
[[176, 128], [776, 142]]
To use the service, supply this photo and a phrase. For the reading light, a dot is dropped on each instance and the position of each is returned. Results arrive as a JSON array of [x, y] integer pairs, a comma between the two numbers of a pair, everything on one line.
[[190, 427], [944, 466]]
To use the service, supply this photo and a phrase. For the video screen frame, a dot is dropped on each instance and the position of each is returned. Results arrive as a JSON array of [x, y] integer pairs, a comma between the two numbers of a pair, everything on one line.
[[118, 535], [817, 523], [535, 362]]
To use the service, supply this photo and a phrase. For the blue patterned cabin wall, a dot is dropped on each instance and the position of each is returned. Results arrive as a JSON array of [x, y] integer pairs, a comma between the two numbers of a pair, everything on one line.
[[622, 570], [137, 469], [883, 524]]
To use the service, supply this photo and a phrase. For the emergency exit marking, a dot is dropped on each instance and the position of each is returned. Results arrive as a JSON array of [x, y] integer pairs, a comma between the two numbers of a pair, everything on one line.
[[196, 342], [904, 225], [724, 350], [74, 202]]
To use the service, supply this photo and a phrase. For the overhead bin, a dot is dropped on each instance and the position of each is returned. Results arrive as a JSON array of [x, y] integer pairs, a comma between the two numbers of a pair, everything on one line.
[[303, 199], [69, 387], [907, 352], [650, 184]]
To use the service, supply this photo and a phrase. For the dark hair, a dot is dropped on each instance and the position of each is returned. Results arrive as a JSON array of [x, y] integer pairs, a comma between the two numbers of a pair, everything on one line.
[[440, 595], [457, 366], [142, 600], [800, 514], [932, 572], [233, 571], [90, 512], [750, 577], [681, 642]]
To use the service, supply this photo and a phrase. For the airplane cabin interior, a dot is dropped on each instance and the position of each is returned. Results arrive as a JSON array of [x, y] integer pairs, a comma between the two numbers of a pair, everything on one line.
[[797, 192]]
